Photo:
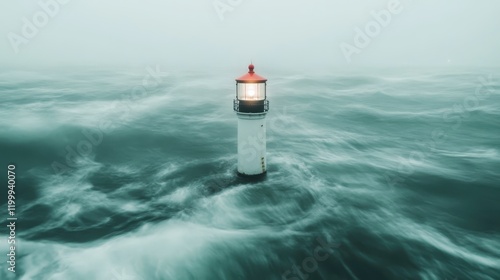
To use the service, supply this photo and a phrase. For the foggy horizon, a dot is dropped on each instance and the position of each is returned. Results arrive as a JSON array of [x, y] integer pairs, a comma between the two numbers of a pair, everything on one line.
[[296, 36]]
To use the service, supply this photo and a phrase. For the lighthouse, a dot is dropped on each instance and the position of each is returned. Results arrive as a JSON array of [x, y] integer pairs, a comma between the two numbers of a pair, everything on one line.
[[251, 106]]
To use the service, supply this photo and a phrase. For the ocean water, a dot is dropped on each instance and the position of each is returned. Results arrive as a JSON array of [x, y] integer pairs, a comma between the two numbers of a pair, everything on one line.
[[382, 174]]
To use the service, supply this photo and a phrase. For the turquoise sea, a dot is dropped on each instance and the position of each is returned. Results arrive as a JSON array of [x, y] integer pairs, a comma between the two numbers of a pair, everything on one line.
[[376, 174]]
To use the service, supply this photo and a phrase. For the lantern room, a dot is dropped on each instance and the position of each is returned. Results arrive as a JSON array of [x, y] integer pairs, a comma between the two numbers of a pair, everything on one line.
[[251, 93]]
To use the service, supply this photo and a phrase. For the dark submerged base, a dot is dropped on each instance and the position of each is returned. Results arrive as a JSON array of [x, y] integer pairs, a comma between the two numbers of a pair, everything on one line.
[[252, 178]]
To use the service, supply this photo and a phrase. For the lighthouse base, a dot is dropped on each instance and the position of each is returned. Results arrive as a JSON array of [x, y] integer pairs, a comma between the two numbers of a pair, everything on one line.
[[256, 176], [244, 178]]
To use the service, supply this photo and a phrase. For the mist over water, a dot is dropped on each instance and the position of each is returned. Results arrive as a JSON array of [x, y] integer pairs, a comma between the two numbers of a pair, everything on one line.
[[394, 171], [208, 34]]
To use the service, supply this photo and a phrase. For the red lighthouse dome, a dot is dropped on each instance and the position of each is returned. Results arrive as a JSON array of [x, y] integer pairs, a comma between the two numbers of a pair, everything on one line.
[[251, 77]]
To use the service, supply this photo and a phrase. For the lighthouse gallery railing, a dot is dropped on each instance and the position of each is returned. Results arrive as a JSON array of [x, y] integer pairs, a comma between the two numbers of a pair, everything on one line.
[[246, 106]]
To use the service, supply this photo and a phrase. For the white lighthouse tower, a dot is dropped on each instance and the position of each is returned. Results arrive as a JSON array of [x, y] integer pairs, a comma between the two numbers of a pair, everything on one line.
[[251, 106]]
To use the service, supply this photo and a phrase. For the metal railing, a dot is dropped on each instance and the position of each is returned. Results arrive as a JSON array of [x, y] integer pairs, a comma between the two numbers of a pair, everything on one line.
[[236, 105]]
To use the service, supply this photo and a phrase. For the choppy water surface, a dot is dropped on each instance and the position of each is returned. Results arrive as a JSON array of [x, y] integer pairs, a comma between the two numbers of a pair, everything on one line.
[[395, 173]]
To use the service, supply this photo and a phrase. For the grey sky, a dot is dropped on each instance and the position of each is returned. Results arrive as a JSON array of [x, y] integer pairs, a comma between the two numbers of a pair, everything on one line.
[[186, 34]]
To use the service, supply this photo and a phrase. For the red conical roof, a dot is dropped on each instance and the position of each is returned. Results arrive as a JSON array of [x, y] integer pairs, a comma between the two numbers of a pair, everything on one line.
[[251, 77]]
